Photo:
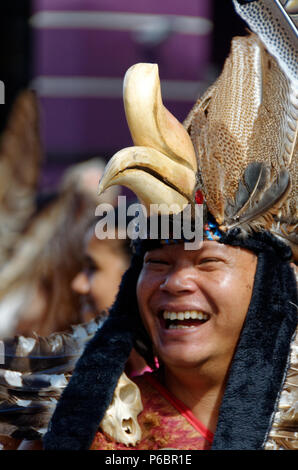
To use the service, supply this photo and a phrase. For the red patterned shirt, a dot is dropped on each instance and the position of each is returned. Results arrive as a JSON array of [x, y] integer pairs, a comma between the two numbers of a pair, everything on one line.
[[165, 421]]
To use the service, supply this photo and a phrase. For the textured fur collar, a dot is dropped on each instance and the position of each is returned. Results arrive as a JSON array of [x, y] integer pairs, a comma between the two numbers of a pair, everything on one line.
[[283, 434], [258, 370]]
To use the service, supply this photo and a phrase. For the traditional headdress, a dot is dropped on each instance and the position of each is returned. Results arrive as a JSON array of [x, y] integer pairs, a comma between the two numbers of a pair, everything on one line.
[[236, 151]]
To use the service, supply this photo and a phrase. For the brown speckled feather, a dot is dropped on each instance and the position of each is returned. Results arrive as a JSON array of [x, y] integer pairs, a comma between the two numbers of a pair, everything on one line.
[[244, 130]]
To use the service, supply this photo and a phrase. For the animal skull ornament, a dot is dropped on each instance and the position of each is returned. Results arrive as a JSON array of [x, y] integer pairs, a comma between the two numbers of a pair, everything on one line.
[[120, 420]]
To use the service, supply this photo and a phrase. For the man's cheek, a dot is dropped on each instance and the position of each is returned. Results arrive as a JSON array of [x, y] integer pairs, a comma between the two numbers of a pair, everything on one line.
[[142, 289]]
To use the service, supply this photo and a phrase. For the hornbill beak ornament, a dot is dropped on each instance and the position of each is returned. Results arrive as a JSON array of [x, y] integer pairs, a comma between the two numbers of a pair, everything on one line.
[[161, 167]]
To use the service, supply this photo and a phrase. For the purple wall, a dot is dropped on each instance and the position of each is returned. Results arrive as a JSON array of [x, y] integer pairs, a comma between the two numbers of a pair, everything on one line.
[[78, 121], [177, 7]]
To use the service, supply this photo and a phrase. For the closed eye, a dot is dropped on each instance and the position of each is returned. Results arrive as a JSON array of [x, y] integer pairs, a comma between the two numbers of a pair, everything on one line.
[[209, 260], [210, 264], [155, 261]]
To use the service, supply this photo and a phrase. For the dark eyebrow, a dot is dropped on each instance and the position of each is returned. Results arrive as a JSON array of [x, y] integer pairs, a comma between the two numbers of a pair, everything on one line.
[[155, 250], [214, 247]]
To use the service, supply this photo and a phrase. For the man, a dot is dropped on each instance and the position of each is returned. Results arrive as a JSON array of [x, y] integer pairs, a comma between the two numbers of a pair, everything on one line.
[[193, 305], [221, 319]]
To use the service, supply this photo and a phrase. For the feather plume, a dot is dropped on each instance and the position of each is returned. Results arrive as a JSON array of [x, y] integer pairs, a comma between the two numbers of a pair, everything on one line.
[[34, 374], [244, 128]]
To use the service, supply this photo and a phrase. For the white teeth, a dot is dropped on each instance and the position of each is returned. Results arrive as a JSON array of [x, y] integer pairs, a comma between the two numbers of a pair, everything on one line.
[[179, 327], [193, 314]]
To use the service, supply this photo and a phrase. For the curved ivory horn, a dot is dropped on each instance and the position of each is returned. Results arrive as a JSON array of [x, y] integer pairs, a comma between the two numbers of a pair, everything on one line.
[[151, 190], [167, 172], [150, 123]]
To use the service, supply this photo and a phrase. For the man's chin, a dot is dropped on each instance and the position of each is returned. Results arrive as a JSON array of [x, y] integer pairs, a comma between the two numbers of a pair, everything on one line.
[[176, 359]]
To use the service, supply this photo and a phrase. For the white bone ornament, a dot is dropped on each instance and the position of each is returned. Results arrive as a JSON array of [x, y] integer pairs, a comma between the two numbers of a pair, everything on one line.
[[120, 421]]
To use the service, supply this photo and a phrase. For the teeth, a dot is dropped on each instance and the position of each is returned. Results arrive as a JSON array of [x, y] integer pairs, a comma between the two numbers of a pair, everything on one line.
[[180, 327], [193, 314]]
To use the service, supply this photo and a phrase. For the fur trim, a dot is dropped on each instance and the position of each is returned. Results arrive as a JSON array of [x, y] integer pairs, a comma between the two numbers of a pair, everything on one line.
[[258, 368]]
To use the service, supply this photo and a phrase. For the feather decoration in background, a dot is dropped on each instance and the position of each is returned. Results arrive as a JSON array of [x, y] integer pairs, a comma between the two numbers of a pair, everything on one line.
[[34, 374], [21, 155]]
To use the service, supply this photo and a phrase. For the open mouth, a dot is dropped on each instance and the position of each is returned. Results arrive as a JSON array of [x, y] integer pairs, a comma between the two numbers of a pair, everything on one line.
[[179, 320]]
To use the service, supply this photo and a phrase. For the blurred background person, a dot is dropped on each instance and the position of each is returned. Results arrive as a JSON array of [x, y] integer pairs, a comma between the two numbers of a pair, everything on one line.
[[35, 292], [104, 262]]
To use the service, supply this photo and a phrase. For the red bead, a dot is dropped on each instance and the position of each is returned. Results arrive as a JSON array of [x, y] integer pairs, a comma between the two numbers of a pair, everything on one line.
[[199, 198]]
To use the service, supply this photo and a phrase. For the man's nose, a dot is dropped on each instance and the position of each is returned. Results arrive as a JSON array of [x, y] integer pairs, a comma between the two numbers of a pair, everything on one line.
[[80, 283], [180, 281]]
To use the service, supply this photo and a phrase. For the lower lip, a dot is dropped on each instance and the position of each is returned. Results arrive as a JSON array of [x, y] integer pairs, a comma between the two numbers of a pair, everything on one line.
[[182, 329]]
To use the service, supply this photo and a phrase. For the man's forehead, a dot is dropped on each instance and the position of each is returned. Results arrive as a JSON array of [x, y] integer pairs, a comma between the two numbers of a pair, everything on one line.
[[209, 245]]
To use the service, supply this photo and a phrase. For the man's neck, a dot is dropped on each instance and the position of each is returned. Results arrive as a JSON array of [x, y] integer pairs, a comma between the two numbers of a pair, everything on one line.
[[201, 392]]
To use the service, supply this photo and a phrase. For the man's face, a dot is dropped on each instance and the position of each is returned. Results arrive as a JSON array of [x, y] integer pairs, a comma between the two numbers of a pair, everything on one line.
[[208, 289], [98, 284]]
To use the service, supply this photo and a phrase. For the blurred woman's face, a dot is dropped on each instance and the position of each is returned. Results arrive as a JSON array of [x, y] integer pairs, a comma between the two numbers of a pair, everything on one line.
[[104, 264]]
